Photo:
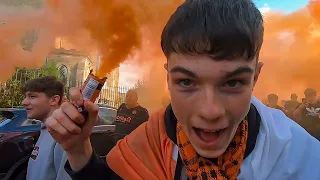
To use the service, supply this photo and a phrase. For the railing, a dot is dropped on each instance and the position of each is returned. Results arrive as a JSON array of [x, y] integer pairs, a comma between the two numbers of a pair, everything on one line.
[[11, 96]]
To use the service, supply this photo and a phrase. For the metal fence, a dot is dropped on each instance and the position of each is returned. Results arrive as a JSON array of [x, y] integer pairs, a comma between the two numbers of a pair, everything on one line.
[[11, 96]]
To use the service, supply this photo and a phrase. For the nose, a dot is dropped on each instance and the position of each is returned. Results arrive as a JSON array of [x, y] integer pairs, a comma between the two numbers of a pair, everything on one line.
[[25, 102], [211, 107]]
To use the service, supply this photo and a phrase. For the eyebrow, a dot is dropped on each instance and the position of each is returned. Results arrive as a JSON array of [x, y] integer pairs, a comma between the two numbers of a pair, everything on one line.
[[179, 69], [238, 71]]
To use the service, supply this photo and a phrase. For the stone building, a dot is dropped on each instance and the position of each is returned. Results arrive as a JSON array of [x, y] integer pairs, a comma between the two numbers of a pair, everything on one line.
[[74, 66], [93, 57]]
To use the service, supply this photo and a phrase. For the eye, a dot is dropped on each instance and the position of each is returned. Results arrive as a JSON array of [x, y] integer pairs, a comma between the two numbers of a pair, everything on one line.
[[234, 83], [185, 83]]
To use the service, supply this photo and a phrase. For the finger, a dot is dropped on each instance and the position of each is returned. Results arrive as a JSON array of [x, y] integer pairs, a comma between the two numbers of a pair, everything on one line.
[[76, 96], [92, 111], [71, 111], [66, 122], [55, 126]]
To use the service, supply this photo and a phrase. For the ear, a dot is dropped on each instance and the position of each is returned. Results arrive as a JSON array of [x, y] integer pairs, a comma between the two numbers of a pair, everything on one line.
[[257, 72], [55, 100], [165, 66]]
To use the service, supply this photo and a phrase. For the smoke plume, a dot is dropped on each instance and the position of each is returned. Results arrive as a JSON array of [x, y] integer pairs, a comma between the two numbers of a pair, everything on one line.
[[291, 52], [118, 29], [112, 28]]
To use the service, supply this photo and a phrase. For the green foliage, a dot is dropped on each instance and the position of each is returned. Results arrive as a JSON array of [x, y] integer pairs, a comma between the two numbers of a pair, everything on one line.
[[48, 69], [10, 91]]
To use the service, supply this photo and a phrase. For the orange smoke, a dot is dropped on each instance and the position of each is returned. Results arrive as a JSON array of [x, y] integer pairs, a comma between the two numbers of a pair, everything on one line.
[[110, 27], [291, 52], [121, 28], [115, 30]]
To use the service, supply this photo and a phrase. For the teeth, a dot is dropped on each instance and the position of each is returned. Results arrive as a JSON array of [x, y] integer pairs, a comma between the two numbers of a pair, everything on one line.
[[211, 131]]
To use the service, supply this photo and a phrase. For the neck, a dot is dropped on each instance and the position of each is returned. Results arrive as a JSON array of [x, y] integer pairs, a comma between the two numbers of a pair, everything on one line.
[[273, 106], [132, 106]]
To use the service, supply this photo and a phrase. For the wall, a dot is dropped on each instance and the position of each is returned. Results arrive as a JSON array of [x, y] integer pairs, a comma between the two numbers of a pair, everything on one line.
[[78, 64]]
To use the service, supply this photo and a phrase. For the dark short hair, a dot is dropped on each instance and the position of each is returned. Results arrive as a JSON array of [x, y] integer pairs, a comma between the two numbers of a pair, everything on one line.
[[310, 91], [273, 96], [133, 91], [48, 85], [220, 29]]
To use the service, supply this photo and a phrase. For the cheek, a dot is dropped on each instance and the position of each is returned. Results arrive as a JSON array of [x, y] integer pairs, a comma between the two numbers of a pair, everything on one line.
[[40, 104], [238, 106], [33, 102], [181, 105], [180, 99]]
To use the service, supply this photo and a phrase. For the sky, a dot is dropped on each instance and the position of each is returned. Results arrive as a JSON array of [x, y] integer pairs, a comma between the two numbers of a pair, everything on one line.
[[286, 6], [130, 74]]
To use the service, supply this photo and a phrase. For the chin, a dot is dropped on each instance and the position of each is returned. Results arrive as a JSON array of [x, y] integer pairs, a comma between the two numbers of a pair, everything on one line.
[[209, 153], [33, 116], [30, 116]]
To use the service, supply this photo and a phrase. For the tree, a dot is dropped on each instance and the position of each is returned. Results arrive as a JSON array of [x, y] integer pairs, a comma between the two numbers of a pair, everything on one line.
[[141, 84], [10, 91]]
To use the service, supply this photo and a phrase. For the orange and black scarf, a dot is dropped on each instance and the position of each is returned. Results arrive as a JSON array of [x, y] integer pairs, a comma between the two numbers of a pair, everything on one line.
[[226, 167]]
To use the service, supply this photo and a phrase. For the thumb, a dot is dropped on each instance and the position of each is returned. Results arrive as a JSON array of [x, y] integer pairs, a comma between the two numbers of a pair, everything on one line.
[[92, 111]]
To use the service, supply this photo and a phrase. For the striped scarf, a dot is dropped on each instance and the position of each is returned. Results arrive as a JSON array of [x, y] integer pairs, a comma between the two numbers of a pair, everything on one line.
[[226, 166]]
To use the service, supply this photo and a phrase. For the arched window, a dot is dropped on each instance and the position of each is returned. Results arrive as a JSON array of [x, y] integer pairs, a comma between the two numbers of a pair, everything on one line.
[[63, 70]]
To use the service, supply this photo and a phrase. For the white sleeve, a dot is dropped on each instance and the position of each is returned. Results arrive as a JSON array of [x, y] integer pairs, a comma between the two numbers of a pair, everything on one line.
[[60, 159]]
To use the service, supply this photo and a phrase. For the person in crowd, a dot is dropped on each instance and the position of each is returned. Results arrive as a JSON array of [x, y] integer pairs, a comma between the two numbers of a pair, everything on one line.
[[273, 101], [291, 105], [42, 97], [130, 115], [308, 113], [283, 102], [213, 128]]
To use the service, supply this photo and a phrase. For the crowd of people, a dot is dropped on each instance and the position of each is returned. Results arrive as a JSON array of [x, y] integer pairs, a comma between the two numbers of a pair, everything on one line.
[[305, 112]]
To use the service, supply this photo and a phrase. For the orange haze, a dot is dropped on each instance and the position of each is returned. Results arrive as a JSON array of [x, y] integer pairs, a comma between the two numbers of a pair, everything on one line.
[[291, 52], [113, 28], [118, 29]]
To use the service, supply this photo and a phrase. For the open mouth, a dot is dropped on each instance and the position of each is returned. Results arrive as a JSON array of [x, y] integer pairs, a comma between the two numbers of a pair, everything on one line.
[[208, 136]]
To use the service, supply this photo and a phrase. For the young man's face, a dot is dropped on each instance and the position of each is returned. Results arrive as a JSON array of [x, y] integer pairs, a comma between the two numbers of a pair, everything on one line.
[[210, 98], [38, 105]]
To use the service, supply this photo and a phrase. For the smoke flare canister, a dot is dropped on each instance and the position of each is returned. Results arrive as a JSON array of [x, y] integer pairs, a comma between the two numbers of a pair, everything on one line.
[[91, 90]]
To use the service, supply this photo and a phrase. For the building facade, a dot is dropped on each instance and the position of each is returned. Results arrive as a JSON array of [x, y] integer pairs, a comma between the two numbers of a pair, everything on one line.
[[74, 66]]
